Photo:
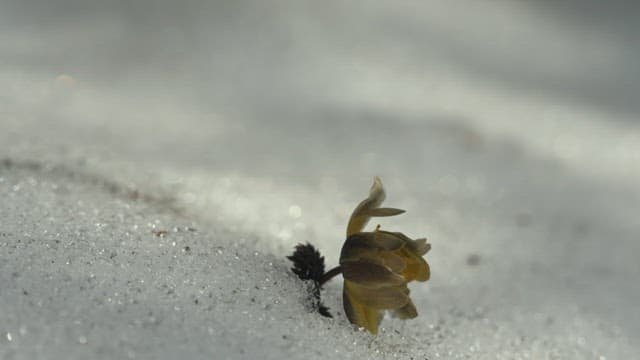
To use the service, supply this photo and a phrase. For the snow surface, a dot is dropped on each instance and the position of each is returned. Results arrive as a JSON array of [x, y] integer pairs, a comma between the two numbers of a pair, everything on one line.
[[159, 161]]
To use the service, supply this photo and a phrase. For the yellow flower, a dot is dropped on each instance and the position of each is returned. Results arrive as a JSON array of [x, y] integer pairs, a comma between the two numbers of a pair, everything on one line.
[[377, 266]]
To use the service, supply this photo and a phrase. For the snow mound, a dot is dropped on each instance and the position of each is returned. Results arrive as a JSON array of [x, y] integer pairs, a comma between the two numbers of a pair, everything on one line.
[[91, 270]]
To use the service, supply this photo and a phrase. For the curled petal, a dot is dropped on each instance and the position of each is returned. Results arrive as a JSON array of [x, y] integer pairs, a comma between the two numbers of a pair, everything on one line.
[[388, 259], [352, 253], [392, 261], [375, 240], [358, 243], [388, 240], [371, 248], [419, 246], [417, 268], [382, 212], [408, 311], [424, 272], [392, 297], [359, 314], [370, 274], [369, 207]]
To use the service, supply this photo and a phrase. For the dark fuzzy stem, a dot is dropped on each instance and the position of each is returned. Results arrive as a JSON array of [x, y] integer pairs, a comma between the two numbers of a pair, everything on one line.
[[308, 264]]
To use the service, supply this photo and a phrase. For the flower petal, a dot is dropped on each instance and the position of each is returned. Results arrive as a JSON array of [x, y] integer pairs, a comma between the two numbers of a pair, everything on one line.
[[392, 261], [357, 313], [388, 240], [419, 246], [358, 243], [370, 274], [408, 311], [392, 297], [360, 248], [382, 212], [417, 268], [359, 218]]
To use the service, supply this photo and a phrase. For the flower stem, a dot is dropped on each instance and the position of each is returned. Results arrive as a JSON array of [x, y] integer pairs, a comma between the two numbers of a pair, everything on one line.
[[330, 274]]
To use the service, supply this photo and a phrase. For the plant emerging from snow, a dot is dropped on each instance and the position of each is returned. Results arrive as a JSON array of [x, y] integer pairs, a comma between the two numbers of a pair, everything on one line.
[[376, 266]]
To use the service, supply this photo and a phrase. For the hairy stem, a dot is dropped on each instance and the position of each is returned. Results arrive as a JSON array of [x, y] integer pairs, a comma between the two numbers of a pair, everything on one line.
[[330, 274]]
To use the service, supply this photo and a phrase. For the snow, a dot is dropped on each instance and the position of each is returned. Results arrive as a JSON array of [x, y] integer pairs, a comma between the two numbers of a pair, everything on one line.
[[158, 162]]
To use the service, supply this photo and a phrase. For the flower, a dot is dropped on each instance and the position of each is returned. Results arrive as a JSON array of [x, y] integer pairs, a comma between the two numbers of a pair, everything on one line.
[[378, 265]]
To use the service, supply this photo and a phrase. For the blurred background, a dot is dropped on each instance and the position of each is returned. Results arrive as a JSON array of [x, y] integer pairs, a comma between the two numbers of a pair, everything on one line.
[[559, 78], [508, 129]]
